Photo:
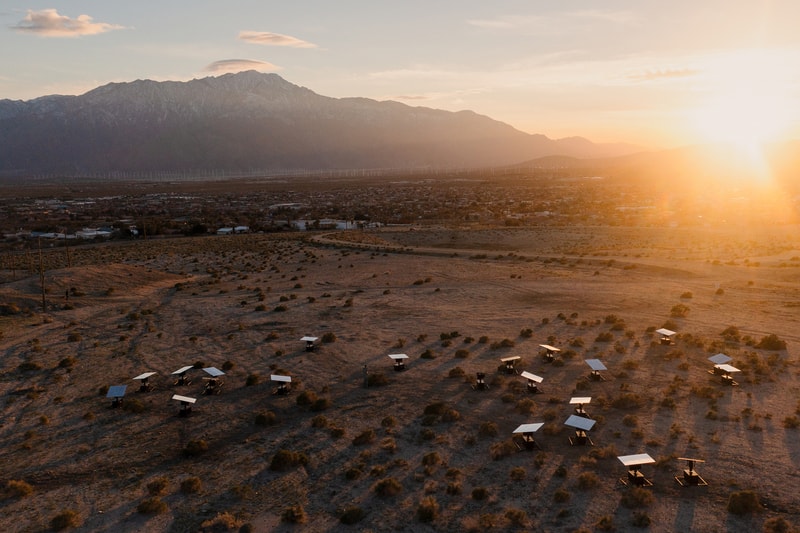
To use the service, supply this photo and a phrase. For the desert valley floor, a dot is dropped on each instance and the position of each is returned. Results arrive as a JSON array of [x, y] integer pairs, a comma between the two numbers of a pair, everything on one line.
[[418, 450]]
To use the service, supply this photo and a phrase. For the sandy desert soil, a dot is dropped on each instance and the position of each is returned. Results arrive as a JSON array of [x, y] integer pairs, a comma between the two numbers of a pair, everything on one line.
[[424, 440]]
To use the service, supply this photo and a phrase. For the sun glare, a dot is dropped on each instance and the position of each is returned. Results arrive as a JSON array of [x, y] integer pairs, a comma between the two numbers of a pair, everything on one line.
[[747, 100]]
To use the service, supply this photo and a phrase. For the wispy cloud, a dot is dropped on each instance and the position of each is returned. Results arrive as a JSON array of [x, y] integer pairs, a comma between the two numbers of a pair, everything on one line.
[[274, 39], [238, 65], [48, 23], [654, 75], [551, 21]]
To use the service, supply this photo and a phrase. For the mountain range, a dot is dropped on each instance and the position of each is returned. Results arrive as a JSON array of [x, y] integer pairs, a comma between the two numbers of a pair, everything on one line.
[[251, 120]]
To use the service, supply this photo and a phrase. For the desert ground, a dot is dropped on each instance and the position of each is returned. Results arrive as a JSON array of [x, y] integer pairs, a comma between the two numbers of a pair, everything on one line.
[[418, 450]]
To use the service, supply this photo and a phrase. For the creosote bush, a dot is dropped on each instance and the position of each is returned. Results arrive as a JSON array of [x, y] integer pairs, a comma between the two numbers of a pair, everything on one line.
[[365, 437], [195, 448], [17, 489], [388, 487], [152, 506], [294, 515], [636, 497], [743, 502], [191, 485], [285, 459]]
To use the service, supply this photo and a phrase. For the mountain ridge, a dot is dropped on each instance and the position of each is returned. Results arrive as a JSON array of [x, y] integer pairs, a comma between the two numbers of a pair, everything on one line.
[[254, 120]]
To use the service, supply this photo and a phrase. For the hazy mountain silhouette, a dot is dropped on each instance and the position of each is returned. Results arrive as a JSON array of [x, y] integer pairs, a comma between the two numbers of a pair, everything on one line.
[[252, 120]]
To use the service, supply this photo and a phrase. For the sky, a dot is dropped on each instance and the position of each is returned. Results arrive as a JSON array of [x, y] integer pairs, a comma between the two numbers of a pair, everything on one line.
[[652, 73]]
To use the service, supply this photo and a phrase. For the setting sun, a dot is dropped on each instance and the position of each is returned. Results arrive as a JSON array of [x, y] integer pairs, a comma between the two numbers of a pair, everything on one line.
[[747, 102]]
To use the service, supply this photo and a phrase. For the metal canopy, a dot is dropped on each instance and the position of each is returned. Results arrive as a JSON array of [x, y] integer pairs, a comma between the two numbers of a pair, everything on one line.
[[214, 371], [398, 356], [637, 459], [727, 368], [690, 459], [183, 369], [580, 400], [308, 338], [145, 375], [529, 428], [284, 379], [532, 377], [720, 359], [579, 422], [666, 332], [596, 364], [116, 391], [184, 398], [550, 348], [513, 358]]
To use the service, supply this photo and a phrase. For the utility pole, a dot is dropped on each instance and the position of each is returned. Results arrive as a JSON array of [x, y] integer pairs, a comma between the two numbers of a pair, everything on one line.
[[41, 276]]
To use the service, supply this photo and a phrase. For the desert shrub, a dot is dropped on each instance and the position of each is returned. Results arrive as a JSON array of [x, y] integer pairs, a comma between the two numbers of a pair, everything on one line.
[[252, 380], [428, 354], [687, 295], [377, 379], [191, 485], [319, 421], [294, 515], [352, 515], [65, 519], [158, 486], [791, 422], [320, 404], [526, 333], [388, 487], [679, 311], [487, 429], [266, 418], [777, 524], [771, 342], [462, 353], [227, 366], [435, 408], [517, 473], [588, 480], [453, 488], [428, 509], [389, 421], [636, 497], [285, 459], [630, 420], [501, 450], [74, 336], [18, 489], [280, 308], [604, 336], [365, 437], [195, 448], [67, 362], [451, 415], [743, 502], [480, 493], [328, 337], [483, 339], [627, 400], [306, 398], [561, 495], [222, 522], [505, 343], [30, 366], [456, 372], [517, 517], [605, 523], [152, 505]]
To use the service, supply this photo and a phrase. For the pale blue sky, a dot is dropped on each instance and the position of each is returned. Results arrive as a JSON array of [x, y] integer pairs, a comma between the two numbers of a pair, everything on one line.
[[656, 73]]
